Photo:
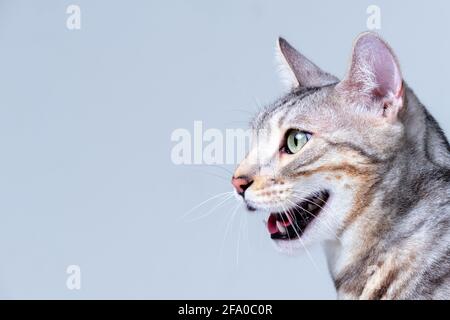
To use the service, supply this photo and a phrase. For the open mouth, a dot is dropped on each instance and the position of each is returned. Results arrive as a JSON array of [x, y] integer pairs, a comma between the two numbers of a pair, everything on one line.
[[292, 223]]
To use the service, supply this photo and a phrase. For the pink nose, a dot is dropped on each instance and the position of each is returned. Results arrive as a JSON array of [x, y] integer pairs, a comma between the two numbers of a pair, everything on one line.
[[241, 184]]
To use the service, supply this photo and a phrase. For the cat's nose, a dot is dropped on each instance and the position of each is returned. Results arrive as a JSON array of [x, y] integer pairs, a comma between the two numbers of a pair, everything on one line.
[[241, 184]]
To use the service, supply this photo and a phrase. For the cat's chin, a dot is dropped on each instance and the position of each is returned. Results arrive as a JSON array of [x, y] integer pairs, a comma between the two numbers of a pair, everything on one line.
[[290, 248]]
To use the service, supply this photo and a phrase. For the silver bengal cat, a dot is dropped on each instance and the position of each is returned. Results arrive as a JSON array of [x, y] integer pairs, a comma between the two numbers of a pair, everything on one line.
[[359, 165]]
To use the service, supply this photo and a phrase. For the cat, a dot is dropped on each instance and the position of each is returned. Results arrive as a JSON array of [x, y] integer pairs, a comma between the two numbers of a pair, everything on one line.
[[360, 166]]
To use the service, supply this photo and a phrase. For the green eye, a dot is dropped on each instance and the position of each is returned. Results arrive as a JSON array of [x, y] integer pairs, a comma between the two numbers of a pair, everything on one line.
[[295, 140]]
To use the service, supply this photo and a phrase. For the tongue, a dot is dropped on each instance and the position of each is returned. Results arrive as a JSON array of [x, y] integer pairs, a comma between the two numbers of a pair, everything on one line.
[[273, 221], [272, 224]]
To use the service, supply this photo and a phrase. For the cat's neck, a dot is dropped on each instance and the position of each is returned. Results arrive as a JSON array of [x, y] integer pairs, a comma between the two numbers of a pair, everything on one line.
[[387, 237], [424, 134]]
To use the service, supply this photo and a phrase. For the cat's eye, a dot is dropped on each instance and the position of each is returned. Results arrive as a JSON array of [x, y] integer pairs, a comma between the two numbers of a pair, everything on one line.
[[295, 140]]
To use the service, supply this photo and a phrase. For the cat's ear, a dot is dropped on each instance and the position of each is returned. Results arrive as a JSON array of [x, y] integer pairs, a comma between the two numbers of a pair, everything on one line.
[[297, 71], [374, 77]]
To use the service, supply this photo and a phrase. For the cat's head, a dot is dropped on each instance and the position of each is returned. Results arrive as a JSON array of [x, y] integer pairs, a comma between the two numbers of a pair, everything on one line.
[[317, 152]]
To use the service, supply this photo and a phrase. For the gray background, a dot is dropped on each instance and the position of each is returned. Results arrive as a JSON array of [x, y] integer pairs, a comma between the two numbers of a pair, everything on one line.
[[85, 123]]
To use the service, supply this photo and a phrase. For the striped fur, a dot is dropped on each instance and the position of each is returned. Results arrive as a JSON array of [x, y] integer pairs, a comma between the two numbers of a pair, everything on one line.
[[386, 224]]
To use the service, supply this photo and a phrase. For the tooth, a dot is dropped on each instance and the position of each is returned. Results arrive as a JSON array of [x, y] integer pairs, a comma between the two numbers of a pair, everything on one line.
[[281, 228], [311, 207]]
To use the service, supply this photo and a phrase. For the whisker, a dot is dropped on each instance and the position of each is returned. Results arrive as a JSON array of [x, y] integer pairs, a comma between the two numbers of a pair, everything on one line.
[[227, 228], [223, 194], [238, 241], [247, 238], [299, 196], [318, 217], [298, 193], [301, 241], [213, 175], [212, 210], [302, 199], [284, 211], [222, 168]]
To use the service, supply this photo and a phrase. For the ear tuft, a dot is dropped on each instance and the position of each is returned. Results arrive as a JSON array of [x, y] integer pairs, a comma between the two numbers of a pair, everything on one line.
[[297, 70]]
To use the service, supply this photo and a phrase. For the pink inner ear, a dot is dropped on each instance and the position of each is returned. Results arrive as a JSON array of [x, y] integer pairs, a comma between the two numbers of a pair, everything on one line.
[[375, 57], [386, 72]]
